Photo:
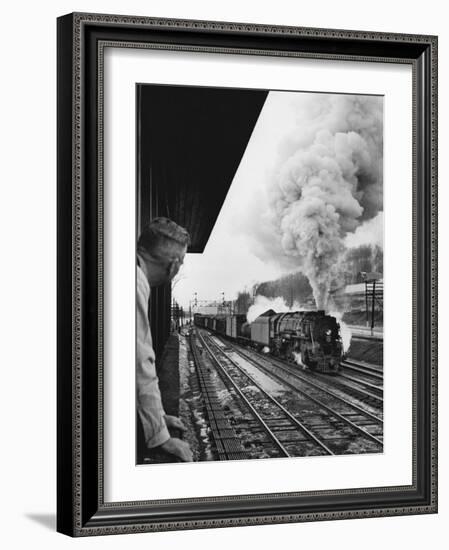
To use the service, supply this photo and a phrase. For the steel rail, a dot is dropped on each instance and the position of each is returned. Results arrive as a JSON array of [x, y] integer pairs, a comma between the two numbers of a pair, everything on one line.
[[367, 337], [225, 450], [244, 398], [320, 403], [359, 392], [276, 402], [369, 385], [368, 370], [295, 374]]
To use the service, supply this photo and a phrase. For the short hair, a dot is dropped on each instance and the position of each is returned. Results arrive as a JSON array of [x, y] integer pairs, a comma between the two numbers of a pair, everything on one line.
[[160, 234]]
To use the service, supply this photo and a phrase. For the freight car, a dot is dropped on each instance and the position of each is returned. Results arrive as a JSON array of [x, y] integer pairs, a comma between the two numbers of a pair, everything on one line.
[[308, 338], [199, 320], [226, 325], [234, 325]]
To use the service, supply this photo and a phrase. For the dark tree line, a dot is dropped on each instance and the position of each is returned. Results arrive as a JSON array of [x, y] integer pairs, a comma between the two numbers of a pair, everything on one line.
[[364, 258], [243, 302], [295, 287]]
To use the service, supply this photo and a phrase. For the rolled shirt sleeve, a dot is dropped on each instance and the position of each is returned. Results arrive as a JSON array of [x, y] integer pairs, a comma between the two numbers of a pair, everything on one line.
[[149, 402]]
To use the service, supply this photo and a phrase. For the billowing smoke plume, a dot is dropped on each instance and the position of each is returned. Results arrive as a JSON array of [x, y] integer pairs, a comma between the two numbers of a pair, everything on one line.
[[369, 233], [328, 184]]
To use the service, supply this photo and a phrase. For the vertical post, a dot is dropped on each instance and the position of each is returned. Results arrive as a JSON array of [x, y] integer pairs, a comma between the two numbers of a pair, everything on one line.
[[366, 304], [373, 307]]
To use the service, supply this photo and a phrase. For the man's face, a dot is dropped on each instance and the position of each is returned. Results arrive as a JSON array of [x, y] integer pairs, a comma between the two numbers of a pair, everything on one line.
[[163, 268], [176, 262]]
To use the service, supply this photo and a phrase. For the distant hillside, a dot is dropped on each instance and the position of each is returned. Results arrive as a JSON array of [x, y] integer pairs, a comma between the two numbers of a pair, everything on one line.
[[292, 288], [295, 287], [363, 258]]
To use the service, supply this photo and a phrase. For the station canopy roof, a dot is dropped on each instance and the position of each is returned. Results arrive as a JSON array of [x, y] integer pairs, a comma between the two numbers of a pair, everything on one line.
[[192, 140]]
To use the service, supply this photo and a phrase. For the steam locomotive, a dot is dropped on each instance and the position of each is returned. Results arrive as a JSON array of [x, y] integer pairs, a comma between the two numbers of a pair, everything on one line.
[[309, 338]]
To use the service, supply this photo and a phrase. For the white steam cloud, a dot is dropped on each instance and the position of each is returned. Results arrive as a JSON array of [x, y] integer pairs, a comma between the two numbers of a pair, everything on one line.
[[327, 187], [263, 304], [345, 331], [370, 233]]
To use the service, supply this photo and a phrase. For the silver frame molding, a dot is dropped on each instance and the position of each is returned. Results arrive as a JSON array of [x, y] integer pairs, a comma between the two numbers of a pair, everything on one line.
[[82, 38]]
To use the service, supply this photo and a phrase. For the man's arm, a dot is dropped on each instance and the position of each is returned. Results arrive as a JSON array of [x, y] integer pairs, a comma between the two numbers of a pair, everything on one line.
[[149, 402]]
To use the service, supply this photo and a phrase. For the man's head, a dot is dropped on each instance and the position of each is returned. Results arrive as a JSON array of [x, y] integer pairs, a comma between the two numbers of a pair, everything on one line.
[[162, 246]]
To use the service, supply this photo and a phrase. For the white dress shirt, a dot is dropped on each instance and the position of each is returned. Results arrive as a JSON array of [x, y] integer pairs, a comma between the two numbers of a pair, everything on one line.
[[149, 403]]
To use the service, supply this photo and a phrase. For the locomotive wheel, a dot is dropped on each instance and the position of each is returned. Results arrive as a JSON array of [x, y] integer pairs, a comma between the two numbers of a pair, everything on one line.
[[305, 357]]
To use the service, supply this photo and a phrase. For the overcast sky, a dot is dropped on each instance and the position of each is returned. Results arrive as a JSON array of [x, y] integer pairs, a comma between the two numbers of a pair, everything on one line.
[[315, 161], [228, 264]]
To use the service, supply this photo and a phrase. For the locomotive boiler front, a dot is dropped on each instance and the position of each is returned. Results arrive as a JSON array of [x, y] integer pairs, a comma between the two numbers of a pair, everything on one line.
[[310, 338], [325, 334]]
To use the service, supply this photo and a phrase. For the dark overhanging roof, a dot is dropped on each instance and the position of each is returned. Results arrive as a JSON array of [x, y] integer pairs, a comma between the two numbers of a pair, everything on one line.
[[190, 142]]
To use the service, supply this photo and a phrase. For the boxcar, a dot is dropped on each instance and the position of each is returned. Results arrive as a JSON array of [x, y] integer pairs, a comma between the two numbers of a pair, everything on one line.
[[199, 320], [220, 324], [234, 324], [260, 328]]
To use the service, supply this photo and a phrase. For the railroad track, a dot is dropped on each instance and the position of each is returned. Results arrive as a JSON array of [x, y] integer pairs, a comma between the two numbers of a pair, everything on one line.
[[284, 430], [367, 369], [368, 337], [362, 380], [323, 393], [355, 387], [371, 391], [227, 442], [330, 423]]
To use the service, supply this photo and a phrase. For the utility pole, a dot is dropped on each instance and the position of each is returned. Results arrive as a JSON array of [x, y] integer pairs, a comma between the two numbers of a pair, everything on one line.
[[373, 292]]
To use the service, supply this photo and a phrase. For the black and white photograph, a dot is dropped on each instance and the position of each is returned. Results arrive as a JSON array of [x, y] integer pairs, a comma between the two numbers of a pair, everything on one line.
[[259, 274], [221, 270], [247, 275]]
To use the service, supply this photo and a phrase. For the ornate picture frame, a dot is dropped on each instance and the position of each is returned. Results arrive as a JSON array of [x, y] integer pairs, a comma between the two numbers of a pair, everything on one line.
[[81, 506]]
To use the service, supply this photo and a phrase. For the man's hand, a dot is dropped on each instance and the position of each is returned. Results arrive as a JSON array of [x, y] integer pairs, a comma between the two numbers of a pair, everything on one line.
[[179, 448], [174, 422]]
